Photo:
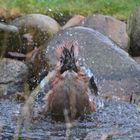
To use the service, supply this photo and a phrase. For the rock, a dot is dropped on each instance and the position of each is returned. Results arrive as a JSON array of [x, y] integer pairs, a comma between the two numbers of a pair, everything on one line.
[[133, 28], [109, 26], [117, 75], [13, 75], [75, 20], [8, 36], [115, 117], [114, 123], [41, 27]]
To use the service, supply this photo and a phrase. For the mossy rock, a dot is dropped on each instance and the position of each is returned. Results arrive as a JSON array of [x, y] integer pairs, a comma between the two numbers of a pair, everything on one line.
[[41, 27]]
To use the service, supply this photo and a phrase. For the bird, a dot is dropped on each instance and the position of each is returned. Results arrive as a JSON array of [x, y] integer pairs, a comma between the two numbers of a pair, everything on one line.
[[68, 87]]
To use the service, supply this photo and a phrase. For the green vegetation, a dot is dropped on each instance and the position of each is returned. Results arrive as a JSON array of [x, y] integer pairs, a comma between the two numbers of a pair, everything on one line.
[[117, 8]]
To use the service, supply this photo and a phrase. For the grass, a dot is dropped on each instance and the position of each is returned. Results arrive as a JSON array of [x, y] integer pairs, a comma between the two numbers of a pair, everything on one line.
[[117, 8]]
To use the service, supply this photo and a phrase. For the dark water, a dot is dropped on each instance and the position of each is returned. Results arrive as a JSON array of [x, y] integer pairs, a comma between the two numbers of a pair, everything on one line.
[[120, 119]]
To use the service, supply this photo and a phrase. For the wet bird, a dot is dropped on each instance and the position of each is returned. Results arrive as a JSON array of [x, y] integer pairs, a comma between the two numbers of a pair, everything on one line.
[[68, 86]]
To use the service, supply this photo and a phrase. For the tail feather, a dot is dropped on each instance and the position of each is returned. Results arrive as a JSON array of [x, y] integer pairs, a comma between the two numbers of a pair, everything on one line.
[[67, 60]]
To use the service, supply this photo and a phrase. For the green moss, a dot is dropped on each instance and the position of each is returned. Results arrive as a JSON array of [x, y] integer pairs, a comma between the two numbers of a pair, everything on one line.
[[118, 8]]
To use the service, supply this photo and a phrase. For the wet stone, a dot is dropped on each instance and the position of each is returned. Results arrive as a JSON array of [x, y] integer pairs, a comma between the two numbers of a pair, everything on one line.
[[13, 76], [109, 26], [116, 73], [117, 119]]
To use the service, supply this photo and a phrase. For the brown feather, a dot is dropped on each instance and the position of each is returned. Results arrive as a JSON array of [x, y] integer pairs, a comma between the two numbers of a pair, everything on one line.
[[69, 90]]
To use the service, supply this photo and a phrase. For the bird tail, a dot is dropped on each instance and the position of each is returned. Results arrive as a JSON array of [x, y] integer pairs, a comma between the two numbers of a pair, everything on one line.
[[67, 60]]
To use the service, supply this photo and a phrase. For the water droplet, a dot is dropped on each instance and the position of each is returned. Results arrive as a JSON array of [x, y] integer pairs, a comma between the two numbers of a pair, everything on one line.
[[79, 59], [83, 59], [61, 14], [50, 10]]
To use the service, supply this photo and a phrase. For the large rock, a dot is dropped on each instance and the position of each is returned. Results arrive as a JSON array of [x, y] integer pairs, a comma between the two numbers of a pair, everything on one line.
[[133, 28], [13, 75], [41, 27], [117, 75], [109, 26]]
